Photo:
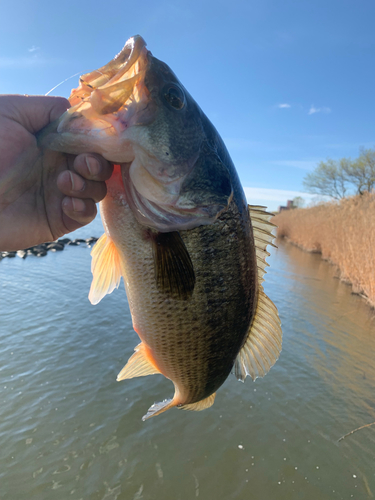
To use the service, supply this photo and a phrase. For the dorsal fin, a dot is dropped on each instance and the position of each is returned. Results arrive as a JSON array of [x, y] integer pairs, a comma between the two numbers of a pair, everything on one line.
[[138, 365], [263, 344], [105, 268]]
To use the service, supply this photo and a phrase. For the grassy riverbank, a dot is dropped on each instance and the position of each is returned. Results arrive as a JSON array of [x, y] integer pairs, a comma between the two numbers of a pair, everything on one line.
[[344, 233]]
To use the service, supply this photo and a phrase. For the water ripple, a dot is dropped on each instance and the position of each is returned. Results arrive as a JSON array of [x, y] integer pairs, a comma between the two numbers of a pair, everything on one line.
[[69, 430]]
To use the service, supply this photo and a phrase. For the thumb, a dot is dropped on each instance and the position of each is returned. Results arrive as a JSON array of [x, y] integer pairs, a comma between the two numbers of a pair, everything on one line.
[[34, 112]]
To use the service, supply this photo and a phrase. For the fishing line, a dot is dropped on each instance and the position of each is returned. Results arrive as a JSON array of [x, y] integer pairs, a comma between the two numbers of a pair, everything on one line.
[[69, 77], [66, 79]]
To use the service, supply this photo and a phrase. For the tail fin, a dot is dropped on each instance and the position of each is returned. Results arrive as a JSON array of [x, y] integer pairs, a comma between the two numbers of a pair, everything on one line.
[[158, 408]]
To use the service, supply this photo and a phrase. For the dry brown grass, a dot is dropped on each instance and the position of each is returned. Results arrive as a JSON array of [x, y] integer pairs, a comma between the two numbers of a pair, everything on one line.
[[344, 233]]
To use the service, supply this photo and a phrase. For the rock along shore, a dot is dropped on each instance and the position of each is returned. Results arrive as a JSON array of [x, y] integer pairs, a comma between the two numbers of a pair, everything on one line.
[[53, 246]]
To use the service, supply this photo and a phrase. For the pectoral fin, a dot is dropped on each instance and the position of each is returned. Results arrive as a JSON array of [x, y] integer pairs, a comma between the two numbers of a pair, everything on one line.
[[174, 272], [138, 365], [106, 269]]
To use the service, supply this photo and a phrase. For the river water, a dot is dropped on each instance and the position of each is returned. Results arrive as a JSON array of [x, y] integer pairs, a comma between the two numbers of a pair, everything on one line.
[[68, 430]]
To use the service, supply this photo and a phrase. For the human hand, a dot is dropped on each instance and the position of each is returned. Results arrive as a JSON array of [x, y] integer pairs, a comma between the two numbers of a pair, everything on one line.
[[43, 194]]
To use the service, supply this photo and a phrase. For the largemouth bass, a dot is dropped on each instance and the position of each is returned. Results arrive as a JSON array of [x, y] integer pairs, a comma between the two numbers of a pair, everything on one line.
[[177, 229]]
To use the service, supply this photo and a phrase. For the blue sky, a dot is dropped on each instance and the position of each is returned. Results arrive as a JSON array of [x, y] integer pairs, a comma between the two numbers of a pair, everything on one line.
[[286, 83]]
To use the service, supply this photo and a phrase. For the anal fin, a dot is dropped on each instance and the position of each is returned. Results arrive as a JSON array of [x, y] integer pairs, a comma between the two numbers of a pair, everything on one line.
[[105, 268], [138, 365], [200, 405]]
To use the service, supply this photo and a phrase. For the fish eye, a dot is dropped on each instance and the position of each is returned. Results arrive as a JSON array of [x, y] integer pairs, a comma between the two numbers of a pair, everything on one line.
[[174, 96]]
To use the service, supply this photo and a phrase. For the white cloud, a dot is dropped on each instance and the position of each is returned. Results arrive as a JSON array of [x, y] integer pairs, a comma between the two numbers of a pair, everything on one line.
[[273, 198], [33, 60], [303, 164], [284, 106], [21, 62], [314, 110]]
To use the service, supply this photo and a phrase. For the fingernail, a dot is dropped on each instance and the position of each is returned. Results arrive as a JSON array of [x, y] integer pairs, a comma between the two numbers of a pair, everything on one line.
[[78, 205], [77, 182], [66, 203], [93, 165]]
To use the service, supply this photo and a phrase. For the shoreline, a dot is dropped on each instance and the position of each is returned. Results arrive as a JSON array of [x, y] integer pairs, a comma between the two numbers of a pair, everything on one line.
[[343, 233], [331, 263]]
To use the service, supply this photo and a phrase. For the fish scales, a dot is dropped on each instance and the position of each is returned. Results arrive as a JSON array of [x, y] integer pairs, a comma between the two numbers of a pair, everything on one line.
[[190, 339], [177, 229]]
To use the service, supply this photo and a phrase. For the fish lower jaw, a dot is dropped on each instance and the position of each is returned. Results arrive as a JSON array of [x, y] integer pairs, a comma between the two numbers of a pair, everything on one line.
[[164, 218], [161, 216]]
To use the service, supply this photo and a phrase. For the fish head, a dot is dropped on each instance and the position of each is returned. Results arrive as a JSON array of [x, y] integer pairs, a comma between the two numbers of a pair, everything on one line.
[[135, 112]]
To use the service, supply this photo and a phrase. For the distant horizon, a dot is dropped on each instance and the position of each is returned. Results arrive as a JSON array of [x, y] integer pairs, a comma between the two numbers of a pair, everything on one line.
[[274, 198]]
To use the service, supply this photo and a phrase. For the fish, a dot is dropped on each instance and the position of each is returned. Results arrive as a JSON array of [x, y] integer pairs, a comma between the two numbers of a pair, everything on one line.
[[178, 230]]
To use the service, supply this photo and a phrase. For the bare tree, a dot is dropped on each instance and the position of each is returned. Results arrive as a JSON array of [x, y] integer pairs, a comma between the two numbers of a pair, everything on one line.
[[361, 172], [329, 178]]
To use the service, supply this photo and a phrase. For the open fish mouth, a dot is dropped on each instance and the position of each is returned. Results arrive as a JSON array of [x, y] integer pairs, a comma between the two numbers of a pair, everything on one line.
[[107, 102], [123, 67]]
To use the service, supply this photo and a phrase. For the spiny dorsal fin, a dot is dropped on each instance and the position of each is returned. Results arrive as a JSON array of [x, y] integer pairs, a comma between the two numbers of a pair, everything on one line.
[[158, 408], [200, 405], [262, 229], [106, 269], [263, 344], [138, 365], [174, 272]]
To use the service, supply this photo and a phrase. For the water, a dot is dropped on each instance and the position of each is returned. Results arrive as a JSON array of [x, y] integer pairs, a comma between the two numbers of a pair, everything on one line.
[[68, 430]]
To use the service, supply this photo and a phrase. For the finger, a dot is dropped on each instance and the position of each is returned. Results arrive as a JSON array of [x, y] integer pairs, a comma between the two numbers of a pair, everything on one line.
[[33, 112], [73, 185], [77, 212], [93, 167]]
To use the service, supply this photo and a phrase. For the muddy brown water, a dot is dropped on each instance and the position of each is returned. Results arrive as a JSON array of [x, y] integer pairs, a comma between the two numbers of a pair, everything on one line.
[[68, 430]]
